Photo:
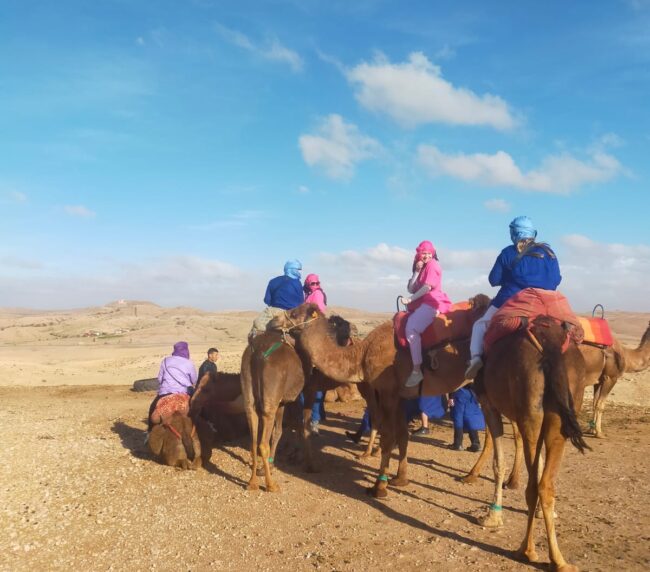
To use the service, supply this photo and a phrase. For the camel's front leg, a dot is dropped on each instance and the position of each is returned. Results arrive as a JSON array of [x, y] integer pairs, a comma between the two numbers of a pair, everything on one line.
[[605, 387], [513, 479], [475, 472], [253, 423], [401, 480], [370, 452], [389, 410], [494, 517]]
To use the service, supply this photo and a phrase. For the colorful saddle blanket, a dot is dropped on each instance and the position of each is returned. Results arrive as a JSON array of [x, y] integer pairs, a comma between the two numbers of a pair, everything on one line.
[[169, 405], [597, 332], [455, 324], [524, 307]]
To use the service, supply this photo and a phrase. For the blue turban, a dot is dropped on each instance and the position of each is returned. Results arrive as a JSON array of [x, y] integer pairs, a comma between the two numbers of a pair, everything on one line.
[[521, 228], [292, 268]]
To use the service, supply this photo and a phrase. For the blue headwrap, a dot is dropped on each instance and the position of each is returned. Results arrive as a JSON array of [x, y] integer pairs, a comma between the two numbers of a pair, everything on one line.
[[521, 228], [292, 268]]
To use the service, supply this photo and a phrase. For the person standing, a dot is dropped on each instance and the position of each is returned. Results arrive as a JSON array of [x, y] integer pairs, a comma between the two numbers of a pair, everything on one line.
[[282, 293], [210, 364], [467, 416]]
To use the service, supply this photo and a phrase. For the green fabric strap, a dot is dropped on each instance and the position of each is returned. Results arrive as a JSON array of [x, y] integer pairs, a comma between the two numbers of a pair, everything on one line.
[[383, 478], [592, 424], [274, 347], [270, 459], [496, 507]]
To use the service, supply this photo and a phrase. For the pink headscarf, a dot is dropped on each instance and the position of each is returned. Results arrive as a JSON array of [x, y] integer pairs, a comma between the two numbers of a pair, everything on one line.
[[424, 246], [308, 280]]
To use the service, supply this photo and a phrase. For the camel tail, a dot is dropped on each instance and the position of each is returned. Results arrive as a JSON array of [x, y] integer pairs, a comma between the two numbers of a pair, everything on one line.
[[554, 365]]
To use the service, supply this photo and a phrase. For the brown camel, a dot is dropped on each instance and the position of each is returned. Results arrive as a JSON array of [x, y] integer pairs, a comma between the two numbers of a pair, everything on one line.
[[271, 376], [604, 368], [540, 393], [377, 361], [176, 443]]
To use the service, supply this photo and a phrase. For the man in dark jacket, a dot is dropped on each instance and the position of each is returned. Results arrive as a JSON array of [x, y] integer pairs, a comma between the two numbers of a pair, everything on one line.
[[209, 364]]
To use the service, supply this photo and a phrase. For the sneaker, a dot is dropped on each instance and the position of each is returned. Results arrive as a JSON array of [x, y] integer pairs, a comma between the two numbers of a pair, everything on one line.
[[414, 379], [421, 431], [455, 447], [314, 428], [473, 367]]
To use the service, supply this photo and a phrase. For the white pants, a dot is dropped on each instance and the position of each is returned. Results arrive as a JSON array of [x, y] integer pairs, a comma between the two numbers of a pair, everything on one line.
[[478, 332], [259, 325], [417, 322]]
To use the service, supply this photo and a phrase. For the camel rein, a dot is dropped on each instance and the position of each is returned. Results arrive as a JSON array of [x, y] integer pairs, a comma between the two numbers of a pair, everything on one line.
[[285, 331], [175, 432]]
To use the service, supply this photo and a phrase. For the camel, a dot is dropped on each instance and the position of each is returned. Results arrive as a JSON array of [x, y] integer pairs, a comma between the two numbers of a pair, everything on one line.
[[217, 409], [377, 361], [272, 375], [604, 366], [541, 393], [175, 441]]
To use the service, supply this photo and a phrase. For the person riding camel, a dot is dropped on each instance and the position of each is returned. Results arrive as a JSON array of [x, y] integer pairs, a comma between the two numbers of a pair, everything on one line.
[[314, 293], [523, 264], [177, 375], [282, 293], [427, 300]]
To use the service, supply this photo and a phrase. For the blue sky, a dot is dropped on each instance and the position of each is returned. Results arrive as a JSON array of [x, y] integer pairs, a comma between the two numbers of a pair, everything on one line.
[[180, 152]]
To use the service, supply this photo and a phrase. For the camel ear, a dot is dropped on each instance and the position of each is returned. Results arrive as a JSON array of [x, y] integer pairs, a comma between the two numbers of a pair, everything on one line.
[[314, 314]]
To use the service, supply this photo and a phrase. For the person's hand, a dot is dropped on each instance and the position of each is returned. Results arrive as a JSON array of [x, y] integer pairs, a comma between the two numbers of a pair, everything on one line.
[[406, 300], [418, 265], [450, 403]]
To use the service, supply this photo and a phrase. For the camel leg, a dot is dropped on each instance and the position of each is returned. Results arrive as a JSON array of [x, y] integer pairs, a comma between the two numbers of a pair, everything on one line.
[[554, 452], [277, 434], [268, 422], [532, 452], [475, 472], [494, 517], [305, 433], [401, 479], [253, 425], [389, 410], [513, 479], [605, 387]]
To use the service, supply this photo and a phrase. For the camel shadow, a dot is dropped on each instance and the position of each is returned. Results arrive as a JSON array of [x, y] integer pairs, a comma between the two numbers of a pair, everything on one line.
[[132, 439]]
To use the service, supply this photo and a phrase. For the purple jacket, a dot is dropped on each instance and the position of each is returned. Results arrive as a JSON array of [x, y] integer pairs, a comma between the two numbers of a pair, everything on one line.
[[176, 375]]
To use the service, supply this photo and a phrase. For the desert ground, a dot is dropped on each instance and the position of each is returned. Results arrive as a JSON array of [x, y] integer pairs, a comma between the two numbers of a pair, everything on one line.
[[79, 490]]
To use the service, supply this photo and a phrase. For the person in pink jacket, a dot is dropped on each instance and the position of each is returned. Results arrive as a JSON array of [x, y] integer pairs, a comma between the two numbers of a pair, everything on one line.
[[426, 301], [314, 293]]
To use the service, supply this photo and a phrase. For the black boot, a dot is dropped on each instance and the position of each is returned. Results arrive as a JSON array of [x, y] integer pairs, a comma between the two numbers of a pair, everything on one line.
[[457, 445], [476, 442], [355, 437]]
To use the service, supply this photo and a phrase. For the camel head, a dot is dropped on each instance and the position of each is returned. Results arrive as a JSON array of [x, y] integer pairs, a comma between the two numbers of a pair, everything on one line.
[[479, 304], [294, 321]]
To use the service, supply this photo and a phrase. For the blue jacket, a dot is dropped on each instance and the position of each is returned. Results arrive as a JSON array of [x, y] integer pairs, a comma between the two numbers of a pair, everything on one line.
[[536, 269], [284, 292]]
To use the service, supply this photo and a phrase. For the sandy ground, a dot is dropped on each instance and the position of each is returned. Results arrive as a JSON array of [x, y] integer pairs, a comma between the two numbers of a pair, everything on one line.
[[78, 489]]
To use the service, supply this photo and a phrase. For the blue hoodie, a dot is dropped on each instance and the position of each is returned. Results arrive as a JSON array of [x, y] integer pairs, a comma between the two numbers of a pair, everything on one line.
[[536, 269], [284, 292]]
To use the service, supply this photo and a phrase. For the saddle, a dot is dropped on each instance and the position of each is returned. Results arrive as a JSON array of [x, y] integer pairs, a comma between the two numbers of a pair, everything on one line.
[[456, 324], [597, 332], [521, 309], [170, 404]]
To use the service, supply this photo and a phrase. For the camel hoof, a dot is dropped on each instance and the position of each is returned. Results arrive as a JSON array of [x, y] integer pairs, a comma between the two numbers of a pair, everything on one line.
[[260, 472], [511, 485], [272, 488], [469, 479], [598, 436], [527, 556], [252, 487], [567, 568], [494, 519], [376, 492], [363, 455], [539, 513], [398, 482], [375, 452]]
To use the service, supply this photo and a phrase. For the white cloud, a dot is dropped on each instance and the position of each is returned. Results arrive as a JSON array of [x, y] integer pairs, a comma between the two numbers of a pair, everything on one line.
[[16, 196], [337, 148], [612, 274], [497, 205], [559, 174], [79, 211], [272, 50], [303, 190], [415, 93]]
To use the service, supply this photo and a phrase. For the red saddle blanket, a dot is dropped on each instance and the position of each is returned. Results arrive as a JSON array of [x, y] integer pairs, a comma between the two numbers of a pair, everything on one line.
[[528, 304], [169, 405], [455, 324], [597, 331]]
